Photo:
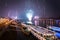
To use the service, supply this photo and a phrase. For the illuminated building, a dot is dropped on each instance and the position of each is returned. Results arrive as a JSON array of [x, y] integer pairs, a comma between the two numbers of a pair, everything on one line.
[[47, 22], [36, 20]]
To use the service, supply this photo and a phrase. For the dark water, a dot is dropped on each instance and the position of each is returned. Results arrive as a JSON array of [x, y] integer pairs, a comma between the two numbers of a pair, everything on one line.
[[16, 35]]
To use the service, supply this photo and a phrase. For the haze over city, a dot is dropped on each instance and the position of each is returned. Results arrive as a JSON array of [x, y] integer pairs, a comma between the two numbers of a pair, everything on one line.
[[42, 8]]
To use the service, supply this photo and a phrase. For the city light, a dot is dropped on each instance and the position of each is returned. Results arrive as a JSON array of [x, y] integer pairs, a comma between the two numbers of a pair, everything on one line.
[[29, 15], [15, 17], [36, 17]]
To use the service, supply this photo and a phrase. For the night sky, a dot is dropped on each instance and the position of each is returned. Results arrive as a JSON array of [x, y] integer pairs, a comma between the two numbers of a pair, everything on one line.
[[42, 8]]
